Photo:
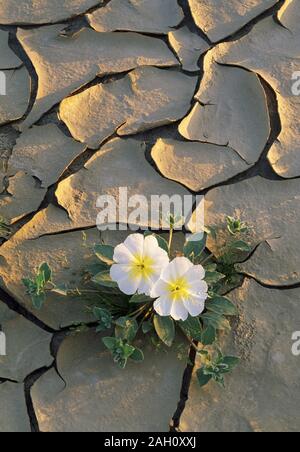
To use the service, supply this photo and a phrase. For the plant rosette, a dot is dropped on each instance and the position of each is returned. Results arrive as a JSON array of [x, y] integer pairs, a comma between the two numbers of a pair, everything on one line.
[[141, 288]]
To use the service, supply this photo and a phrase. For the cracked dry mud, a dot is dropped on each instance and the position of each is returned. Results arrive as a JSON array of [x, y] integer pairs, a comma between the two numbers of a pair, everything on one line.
[[160, 96]]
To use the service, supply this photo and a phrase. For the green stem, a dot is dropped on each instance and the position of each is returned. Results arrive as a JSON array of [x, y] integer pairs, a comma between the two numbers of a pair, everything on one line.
[[207, 258], [85, 291], [138, 311], [171, 238], [192, 343], [144, 318]]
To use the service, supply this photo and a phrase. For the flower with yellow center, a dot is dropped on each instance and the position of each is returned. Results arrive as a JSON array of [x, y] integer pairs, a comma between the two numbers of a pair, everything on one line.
[[181, 290], [138, 264]]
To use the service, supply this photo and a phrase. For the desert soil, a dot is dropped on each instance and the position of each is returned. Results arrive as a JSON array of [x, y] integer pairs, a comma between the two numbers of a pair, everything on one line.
[[160, 96]]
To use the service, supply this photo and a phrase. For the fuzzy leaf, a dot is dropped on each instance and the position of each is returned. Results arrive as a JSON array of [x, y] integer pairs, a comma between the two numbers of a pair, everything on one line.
[[217, 321], [105, 253], [192, 327], [165, 329], [46, 270], [30, 285], [208, 335], [104, 317], [222, 306], [213, 277], [128, 351], [104, 279], [147, 327], [137, 355], [38, 300], [240, 245], [231, 362], [140, 299], [109, 342], [126, 328], [203, 379], [61, 289], [193, 248]]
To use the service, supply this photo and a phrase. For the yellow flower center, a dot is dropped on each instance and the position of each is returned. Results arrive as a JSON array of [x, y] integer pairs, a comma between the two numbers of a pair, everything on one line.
[[179, 288], [142, 266]]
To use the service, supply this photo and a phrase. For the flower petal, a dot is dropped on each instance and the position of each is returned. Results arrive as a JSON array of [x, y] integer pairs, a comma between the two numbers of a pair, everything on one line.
[[194, 305], [159, 256], [179, 311], [135, 244], [119, 271], [129, 286], [163, 306], [196, 273], [151, 245], [121, 275], [199, 288], [152, 248], [122, 255], [161, 261], [176, 269], [160, 288], [146, 284], [197, 285]]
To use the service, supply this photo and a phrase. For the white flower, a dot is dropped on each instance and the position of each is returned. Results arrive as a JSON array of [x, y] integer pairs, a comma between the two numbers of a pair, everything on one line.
[[138, 264], [180, 291]]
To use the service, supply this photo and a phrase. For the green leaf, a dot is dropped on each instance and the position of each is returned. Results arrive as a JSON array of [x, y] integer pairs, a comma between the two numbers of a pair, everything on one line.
[[104, 279], [40, 282], [193, 247], [236, 226], [217, 321], [213, 277], [211, 268], [208, 335], [30, 285], [219, 379], [231, 362], [222, 306], [120, 351], [101, 313], [95, 268], [61, 289], [128, 351], [126, 328], [109, 342], [192, 328], [240, 245], [140, 299], [165, 329], [120, 361], [203, 379], [104, 317], [163, 244], [46, 271], [147, 327], [137, 355], [38, 300], [105, 253]]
